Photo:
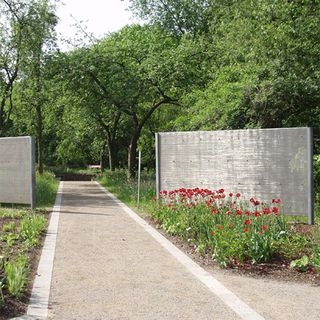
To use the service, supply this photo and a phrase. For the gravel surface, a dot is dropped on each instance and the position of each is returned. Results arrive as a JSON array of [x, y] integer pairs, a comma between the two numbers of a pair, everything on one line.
[[276, 300], [107, 267]]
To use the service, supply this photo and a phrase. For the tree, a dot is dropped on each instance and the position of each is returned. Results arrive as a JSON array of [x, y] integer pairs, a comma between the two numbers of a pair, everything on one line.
[[177, 16], [12, 37], [264, 68], [27, 32], [41, 23], [73, 71], [147, 68]]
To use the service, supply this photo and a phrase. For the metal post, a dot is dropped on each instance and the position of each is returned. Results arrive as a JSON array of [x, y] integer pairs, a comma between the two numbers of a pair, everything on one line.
[[157, 141], [310, 176], [139, 178], [33, 174]]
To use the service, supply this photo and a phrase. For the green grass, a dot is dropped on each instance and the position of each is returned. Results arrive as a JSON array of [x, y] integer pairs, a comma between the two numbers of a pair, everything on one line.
[[127, 190], [46, 189]]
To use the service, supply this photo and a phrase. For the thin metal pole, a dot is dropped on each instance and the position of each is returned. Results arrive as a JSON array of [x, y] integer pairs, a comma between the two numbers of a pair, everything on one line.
[[139, 178], [157, 141], [310, 177], [33, 174]]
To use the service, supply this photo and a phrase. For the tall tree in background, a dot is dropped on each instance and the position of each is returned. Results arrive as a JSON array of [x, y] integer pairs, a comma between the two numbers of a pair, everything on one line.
[[12, 39], [27, 31], [148, 68], [73, 72], [264, 62], [41, 23], [178, 16]]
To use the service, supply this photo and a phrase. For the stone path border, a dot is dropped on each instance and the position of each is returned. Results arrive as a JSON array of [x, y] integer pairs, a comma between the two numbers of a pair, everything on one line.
[[216, 287], [39, 300]]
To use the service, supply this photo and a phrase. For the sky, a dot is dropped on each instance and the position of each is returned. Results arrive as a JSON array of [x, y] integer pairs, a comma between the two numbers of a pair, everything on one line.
[[97, 17]]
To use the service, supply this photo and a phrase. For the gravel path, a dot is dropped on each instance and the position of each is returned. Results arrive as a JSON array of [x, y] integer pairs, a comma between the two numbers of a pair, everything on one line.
[[107, 267], [275, 300]]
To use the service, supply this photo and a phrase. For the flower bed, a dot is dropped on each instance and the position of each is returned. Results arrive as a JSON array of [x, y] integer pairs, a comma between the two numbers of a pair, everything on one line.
[[231, 228], [21, 234]]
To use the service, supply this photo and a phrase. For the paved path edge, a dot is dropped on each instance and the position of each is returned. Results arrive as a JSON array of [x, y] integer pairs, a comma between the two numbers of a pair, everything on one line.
[[39, 300], [243, 310]]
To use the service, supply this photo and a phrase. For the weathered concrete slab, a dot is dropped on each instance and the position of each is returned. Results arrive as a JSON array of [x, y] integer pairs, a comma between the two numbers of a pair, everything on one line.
[[17, 174], [262, 163]]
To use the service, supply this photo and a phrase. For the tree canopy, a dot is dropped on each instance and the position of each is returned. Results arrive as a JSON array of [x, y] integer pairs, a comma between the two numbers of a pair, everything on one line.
[[194, 65]]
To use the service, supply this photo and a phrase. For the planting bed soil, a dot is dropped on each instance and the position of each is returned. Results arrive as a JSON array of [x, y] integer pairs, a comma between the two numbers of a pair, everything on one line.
[[75, 176], [277, 269], [16, 307]]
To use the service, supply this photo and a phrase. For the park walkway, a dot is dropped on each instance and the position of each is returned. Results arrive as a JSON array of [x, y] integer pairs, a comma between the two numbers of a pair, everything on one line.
[[108, 267]]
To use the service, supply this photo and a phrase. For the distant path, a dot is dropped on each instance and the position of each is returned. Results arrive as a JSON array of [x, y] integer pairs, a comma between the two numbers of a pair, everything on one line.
[[108, 267]]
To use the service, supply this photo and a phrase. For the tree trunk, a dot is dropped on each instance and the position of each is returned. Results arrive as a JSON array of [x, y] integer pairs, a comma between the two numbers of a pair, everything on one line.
[[112, 149], [132, 154], [103, 157]]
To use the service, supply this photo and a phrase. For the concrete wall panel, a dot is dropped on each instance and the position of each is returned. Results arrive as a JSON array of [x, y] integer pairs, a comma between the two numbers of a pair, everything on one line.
[[17, 170], [262, 163]]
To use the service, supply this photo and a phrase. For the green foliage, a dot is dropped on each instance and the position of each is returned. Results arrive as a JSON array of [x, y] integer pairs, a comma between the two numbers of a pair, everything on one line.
[[301, 264], [315, 256], [293, 246], [316, 174], [196, 65], [8, 234], [2, 279], [9, 238], [30, 229], [11, 213], [17, 236], [178, 16], [16, 275], [9, 227], [126, 190], [46, 189]]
